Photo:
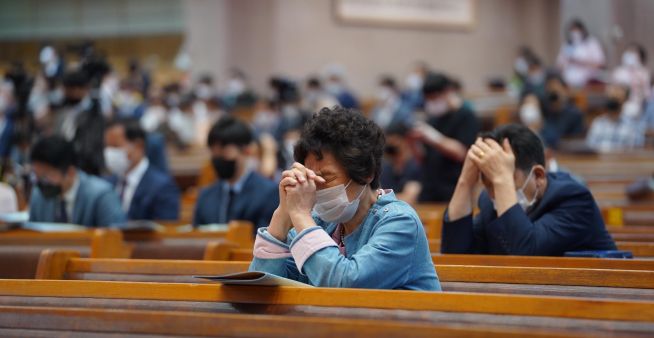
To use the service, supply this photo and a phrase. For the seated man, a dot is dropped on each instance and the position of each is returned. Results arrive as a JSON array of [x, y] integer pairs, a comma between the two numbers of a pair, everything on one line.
[[562, 118], [146, 192], [449, 130], [621, 127], [240, 192], [524, 210], [65, 194], [400, 170]]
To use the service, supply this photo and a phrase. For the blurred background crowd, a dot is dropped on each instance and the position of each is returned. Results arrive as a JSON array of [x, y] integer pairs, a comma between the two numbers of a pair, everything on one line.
[[584, 99]]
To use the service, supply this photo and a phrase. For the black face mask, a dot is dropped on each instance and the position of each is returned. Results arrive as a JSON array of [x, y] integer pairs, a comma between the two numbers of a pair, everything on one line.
[[72, 101], [49, 190], [391, 150], [225, 169], [553, 97], [613, 105]]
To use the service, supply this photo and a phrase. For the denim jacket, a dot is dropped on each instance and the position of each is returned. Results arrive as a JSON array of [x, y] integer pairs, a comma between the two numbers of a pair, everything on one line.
[[389, 250]]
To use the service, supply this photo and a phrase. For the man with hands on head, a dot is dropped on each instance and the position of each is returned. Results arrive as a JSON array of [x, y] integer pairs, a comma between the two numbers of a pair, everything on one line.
[[334, 227], [524, 210]]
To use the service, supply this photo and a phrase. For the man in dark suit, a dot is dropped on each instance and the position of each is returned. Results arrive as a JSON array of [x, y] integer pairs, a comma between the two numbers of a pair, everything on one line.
[[65, 194], [524, 210], [146, 192], [240, 192]]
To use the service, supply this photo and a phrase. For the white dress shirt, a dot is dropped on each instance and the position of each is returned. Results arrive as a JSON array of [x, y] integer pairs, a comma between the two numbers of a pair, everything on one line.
[[132, 181], [69, 198]]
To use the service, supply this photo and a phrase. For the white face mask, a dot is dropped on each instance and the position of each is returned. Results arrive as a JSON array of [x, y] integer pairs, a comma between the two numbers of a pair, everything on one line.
[[522, 199], [235, 87], [521, 66], [631, 109], [630, 59], [116, 161], [333, 205], [576, 37], [384, 94], [437, 107], [203, 91], [414, 81], [530, 115]]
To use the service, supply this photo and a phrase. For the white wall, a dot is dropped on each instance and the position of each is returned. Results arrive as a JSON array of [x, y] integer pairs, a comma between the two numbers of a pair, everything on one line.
[[299, 37]]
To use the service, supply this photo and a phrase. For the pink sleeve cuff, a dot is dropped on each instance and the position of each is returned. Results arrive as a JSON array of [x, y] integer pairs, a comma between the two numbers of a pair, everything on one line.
[[266, 249], [309, 242]]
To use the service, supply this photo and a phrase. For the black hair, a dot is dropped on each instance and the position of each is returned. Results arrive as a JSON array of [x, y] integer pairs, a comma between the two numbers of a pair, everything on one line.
[[229, 130], [525, 51], [388, 81], [133, 129], [398, 129], [556, 77], [206, 78], [533, 61], [527, 146], [578, 24], [435, 83], [186, 101], [77, 78], [642, 52], [54, 151], [356, 142], [313, 82]]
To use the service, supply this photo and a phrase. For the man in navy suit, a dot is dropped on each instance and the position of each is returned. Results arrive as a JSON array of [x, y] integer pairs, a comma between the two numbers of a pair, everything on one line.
[[65, 194], [524, 210], [146, 192], [240, 192]]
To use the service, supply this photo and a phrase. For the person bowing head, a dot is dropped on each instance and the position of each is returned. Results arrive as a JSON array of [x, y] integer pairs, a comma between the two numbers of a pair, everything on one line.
[[335, 226]]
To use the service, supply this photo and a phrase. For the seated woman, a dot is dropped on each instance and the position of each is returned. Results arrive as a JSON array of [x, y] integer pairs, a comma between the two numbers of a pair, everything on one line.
[[333, 226], [525, 210]]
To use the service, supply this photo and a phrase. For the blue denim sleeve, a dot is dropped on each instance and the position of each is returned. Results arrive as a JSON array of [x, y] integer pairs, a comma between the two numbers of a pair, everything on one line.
[[385, 262], [283, 267]]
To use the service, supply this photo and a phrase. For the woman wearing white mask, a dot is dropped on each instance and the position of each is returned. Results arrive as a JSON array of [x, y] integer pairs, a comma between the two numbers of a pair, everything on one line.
[[334, 227], [633, 73], [581, 56], [524, 210]]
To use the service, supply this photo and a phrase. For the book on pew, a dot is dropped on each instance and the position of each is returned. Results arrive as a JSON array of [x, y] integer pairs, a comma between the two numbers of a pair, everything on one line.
[[53, 227], [600, 254], [253, 278], [15, 218]]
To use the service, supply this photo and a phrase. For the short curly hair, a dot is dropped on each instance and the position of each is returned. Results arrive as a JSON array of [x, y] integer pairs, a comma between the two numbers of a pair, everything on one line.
[[356, 142]]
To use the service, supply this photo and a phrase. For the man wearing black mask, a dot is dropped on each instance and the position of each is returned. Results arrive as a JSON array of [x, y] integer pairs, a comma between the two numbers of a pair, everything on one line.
[[400, 170], [78, 121], [615, 130], [65, 194], [562, 117], [240, 192]]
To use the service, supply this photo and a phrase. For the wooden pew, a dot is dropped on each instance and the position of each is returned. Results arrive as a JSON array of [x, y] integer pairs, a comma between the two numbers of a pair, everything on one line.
[[103, 243], [639, 249], [559, 307], [224, 251], [23, 321], [542, 261], [585, 282], [194, 244], [20, 249]]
